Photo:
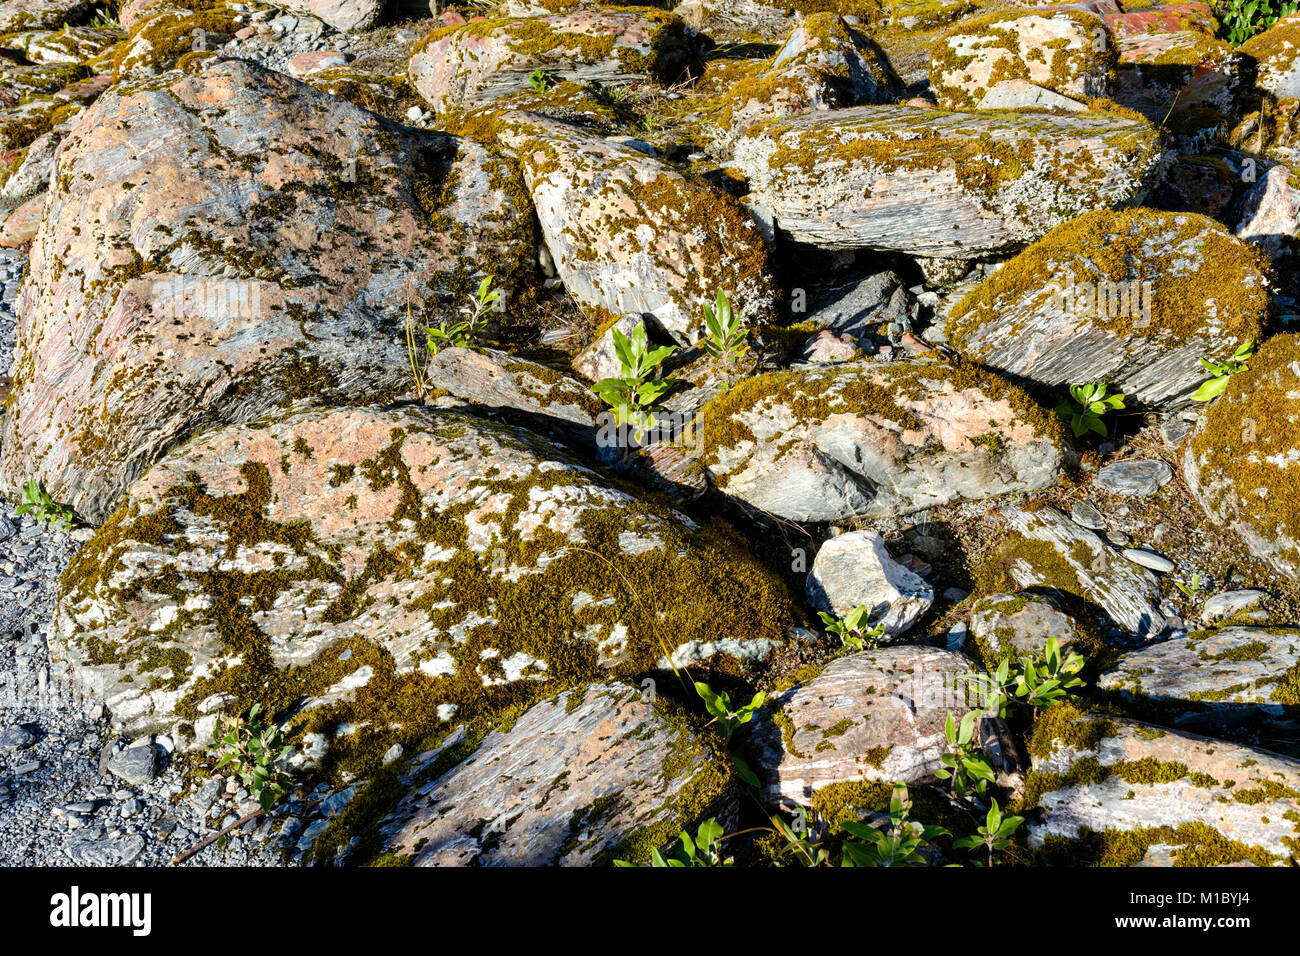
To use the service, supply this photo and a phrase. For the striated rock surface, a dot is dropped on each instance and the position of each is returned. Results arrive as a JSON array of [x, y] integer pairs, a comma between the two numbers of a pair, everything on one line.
[[629, 233], [855, 569], [948, 185], [872, 439], [1011, 626], [197, 264], [871, 716], [593, 775], [1133, 298]]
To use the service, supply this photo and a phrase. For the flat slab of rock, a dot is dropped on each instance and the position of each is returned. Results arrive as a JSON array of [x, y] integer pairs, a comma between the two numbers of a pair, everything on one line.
[[382, 569], [1134, 479], [469, 65], [949, 185], [1152, 786], [1242, 461], [1046, 549], [1021, 94], [593, 775], [1018, 625], [1134, 298], [1213, 676], [1236, 607], [177, 287], [629, 233], [856, 569], [873, 439], [874, 716]]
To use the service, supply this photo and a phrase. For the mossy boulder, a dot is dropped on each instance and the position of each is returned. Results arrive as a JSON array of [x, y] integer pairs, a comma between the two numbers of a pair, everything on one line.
[[871, 717], [1242, 462], [474, 63], [1045, 551], [167, 30], [30, 174], [216, 245], [876, 439], [1070, 52], [1135, 298], [933, 183], [69, 46], [1214, 681], [924, 14], [1276, 53], [824, 64], [1010, 626], [1164, 74], [596, 774], [1107, 791], [376, 576], [629, 233], [18, 15]]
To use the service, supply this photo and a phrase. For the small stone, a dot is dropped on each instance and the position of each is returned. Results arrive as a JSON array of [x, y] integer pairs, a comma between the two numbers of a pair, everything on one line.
[[16, 738], [1086, 515], [856, 569], [1137, 479], [392, 753], [1119, 539], [23, 770], [93, 850], [136, 765], [1149, 559]]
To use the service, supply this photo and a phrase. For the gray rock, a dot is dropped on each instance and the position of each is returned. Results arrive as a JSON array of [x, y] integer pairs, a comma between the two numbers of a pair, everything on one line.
[[856, 569], [599, 360], [1149, 559], [92, 850], [1015, 625], [855, 306], [16, 737], [1086, 515], [1234, 604], [1021, 94], [1137, 479], [136, 765], [563, 802]]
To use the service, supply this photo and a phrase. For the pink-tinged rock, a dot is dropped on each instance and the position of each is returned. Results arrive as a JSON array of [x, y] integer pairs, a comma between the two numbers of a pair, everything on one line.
[[245, 33], [1069, 52], [470, 65], [1173, 17], [447, 553], [21, 225], [85, 91], [827, 346], [347, 15], [875, 439], [199, 265], [875, 716], [1160, 73], [1243, 795], [315, 60], [570, 782], [133, 11], [1270, 213], [629, 233]]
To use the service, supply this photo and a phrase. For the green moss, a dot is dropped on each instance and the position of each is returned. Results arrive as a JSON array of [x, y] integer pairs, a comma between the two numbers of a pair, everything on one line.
[[1195, 845]]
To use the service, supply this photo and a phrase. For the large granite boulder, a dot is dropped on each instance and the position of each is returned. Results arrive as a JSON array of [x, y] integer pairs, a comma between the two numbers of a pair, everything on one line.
[[597, 774], [197, 264], [629, 233], [1241, 464], [1068, 51], [471, 64], [348, 15], [875, 716], [1118, 793], [875, 439], [949, 185], [1134, 298], [386, 572]]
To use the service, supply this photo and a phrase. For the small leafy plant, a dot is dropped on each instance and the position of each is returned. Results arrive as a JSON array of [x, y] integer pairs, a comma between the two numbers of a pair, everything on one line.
[[1042, 683], [253, 748], [46, 512], [727, 331], [726, 715], [635, 395], [898, 845], [995, 835], [539, 80], [964, 764], [1086, 406], [704, 850], [1191, 589], [1220, 372], [1243, 19], [484, 299], [852, 629], [799, 846]]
